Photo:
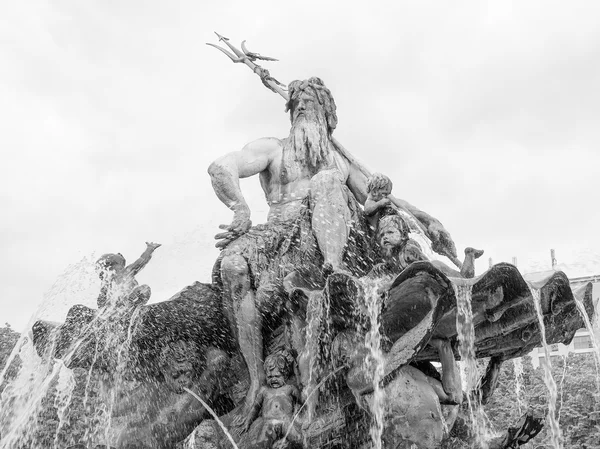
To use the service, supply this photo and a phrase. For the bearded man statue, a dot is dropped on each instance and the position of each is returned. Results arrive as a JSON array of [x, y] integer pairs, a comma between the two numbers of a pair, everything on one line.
[[315, 222]]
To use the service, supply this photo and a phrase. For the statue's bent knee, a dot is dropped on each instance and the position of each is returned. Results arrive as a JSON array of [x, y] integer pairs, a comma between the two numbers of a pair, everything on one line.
[[234, 266]]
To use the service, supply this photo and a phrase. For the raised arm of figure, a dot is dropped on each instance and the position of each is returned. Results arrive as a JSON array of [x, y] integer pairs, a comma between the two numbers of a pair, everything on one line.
[[143, 260], [225, 174]]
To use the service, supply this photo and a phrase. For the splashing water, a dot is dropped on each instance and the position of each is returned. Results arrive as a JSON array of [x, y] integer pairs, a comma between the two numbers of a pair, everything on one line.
[[26, 396], [375, 362], [562, 382], [518, 371], [22, 400], [64, 393], [120, 372], [555, 431], [214, 415], [308, 356], [466, 349], [319, 385], [43, 381], [77, 284]]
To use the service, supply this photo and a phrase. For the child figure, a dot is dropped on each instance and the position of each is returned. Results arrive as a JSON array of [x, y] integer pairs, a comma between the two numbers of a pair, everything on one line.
[[118, 281], [399, 251], [277, 403], [379, 187], [381, 202]]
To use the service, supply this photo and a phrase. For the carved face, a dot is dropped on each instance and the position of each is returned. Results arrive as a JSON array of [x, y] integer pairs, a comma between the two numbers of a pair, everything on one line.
[[390, 237], [306, 106], [177, 365], [391, 234], [309, 138], [179, 375], [277, 369], [275, 378]]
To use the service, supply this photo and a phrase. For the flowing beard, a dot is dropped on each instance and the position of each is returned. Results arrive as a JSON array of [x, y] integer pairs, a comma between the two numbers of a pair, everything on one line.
[[309, 141]]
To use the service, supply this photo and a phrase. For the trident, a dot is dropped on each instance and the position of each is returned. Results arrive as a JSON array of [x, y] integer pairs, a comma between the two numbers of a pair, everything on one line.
[[246, 57]]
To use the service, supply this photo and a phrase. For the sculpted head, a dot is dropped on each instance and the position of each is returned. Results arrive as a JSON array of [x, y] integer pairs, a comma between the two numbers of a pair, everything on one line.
[[313, 117], [278, 368], [392, 234], [379, 186], [310, 97], [110, 263], [176, 363]]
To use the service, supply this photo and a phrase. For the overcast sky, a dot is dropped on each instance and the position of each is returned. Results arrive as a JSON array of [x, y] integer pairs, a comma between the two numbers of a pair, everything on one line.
[[484, 114]]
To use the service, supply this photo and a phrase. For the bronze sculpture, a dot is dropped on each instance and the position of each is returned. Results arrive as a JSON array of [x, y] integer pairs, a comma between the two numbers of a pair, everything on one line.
[[294, 285]]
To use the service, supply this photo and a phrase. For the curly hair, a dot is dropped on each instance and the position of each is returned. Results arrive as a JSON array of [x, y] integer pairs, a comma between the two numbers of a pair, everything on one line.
[[393, 218], [379, 181], [282, 359], [316, 88]]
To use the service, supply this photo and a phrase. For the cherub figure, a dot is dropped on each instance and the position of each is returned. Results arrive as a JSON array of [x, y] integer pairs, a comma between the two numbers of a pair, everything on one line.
[[118, 281], [381, 202], [399, 250], [276, 401], [379, 187]]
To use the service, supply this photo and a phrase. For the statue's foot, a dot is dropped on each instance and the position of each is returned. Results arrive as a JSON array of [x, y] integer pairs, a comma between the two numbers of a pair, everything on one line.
[[477, 253], [527, 428]]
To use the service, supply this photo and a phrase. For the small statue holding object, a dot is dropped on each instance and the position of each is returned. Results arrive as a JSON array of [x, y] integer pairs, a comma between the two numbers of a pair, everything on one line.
[[276, 401]]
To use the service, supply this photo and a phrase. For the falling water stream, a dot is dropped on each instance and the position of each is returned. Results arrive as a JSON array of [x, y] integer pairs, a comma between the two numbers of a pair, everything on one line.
[[214, 415], [562, 383], [375, 362], [22, 399], [518, 370], [555, 431], [309, 355], [64, 393], [466, 349]]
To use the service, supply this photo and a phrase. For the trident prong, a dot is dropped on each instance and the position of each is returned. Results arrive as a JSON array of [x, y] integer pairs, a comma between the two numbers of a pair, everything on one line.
[[229, 55], [255, 56], [247, 57]]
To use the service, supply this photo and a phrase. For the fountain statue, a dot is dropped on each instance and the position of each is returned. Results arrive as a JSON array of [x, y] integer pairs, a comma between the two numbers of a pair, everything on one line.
[[326, 327]]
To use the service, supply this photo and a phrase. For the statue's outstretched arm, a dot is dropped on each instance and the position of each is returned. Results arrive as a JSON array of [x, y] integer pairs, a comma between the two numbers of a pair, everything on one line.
[[225, 174], [441, 240], [143, 260]]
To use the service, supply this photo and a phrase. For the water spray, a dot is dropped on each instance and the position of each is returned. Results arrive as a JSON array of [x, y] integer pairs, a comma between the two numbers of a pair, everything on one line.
[[335, 371], [214, 415]]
